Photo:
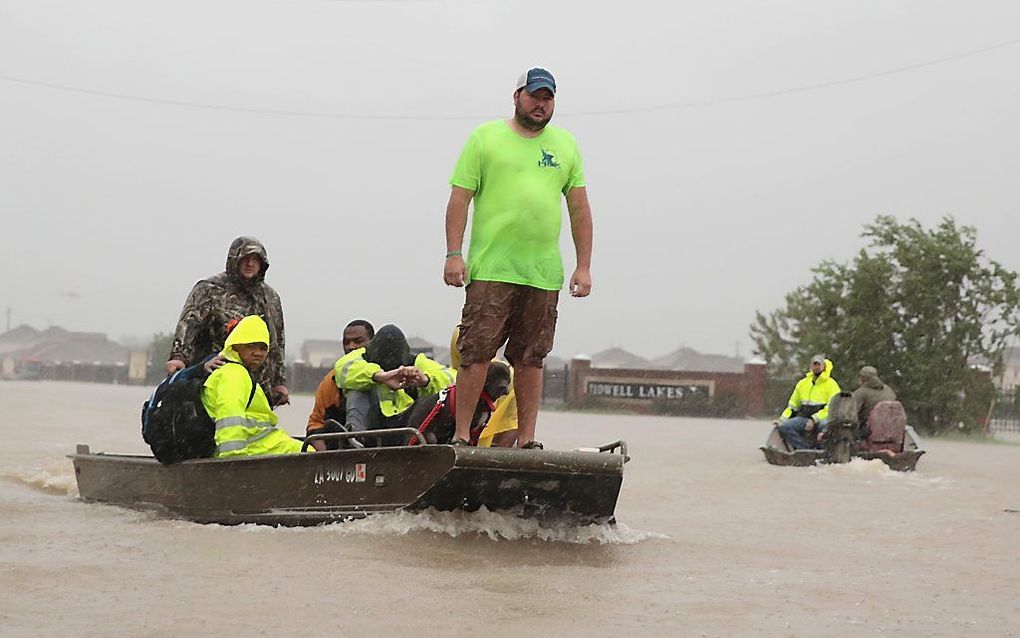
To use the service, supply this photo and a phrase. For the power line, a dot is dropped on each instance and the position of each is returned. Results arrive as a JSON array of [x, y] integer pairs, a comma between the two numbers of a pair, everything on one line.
[[809, 87], [220, 107], [620, 111]]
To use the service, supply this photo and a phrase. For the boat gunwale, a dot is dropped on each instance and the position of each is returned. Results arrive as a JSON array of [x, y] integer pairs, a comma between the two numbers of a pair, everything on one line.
[[508, 459], [904, 461]]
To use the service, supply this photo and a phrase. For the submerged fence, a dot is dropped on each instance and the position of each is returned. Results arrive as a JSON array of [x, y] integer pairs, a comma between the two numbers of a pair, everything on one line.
[[1006, 411]]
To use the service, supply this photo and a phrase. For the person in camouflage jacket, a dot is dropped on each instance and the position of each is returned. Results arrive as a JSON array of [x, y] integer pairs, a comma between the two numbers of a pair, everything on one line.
[[217, 303]]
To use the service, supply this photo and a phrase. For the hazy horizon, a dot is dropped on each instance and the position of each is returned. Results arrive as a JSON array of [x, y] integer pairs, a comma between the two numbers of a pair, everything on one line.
[[728, 147]]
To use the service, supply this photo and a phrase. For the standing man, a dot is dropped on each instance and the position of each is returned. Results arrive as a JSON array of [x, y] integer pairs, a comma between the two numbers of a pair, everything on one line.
[[216, 304], [516, 171]]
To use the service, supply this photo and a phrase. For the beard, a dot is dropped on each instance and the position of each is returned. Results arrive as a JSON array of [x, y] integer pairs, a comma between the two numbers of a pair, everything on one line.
[[527, 122]]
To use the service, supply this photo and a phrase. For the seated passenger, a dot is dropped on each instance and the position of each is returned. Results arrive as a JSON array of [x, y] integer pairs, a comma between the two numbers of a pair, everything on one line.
[[808, 404], [245, 424], [382, 381], [329, 400], [869, 393]]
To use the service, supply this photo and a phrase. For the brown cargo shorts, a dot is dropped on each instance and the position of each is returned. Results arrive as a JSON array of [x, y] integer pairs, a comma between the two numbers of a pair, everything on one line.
[[520, 316]]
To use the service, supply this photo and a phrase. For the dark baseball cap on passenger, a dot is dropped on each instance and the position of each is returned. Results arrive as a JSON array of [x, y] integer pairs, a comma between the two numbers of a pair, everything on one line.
[[535, 79]]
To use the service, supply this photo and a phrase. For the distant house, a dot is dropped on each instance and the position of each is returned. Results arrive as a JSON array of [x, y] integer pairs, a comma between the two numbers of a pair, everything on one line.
[[689, 359], [552, 362], [25, 348], [56, 345], [17, 338], [429, 349], [1010, 377], [681, 359], [618, 358], [321, 352], [325, 352]]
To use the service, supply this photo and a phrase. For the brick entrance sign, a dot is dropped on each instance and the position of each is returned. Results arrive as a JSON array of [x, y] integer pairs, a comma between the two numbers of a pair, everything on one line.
[[668, 391]]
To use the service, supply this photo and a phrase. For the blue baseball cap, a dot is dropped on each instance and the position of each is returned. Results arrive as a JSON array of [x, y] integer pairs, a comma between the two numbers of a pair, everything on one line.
[[535, 79]]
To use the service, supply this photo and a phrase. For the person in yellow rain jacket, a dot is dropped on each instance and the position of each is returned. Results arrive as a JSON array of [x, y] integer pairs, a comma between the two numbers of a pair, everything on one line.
[[809, 405], [245, 424], [382, 381], [501, 430]]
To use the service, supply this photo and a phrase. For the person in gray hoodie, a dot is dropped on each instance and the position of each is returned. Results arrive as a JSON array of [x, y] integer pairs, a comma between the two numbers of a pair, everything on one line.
[[870, 392]]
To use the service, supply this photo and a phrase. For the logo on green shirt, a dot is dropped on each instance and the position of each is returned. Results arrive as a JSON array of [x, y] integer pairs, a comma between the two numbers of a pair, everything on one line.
[[519, 185], [548, 160]]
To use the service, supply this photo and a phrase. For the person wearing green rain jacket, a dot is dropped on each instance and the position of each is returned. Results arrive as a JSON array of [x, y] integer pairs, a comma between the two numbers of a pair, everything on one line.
[[809, 405], [382, 381], [245, 424]]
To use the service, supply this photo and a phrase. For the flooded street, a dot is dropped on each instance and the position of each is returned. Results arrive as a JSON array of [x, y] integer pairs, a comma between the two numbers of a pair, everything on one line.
[[712, 541]]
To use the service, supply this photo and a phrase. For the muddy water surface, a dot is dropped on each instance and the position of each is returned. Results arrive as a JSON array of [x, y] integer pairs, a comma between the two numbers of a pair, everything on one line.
[[712, 541]]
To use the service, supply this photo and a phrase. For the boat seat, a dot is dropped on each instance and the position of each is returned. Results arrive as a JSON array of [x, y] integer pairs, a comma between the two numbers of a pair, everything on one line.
[[887, 427]]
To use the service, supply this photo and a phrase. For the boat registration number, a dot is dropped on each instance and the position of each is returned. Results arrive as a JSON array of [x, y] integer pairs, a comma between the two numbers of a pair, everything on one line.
[[348, 474]]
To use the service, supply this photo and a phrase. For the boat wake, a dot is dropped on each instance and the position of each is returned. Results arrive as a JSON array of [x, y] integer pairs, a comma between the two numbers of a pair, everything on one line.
[[494, 525], [875, 470], [57, 479]]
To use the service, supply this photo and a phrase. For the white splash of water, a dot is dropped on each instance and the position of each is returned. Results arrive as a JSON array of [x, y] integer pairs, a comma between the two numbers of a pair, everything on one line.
[[875, 469], [52, 480], [495, 525], [856, 466]]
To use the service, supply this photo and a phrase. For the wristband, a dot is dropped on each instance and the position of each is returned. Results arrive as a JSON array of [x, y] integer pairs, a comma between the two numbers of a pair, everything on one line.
[[454, 253]]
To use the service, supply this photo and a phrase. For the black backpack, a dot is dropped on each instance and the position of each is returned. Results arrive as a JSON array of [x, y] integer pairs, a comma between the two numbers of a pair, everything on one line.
[[174, 421]]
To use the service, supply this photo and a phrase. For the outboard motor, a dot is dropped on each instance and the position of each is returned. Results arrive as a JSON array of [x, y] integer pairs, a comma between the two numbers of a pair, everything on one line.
[[838, 440]]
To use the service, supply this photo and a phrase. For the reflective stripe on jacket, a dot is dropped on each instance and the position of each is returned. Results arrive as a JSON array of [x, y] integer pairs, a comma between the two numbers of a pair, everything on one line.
[[813, 392], [352, 372], [243, 428]]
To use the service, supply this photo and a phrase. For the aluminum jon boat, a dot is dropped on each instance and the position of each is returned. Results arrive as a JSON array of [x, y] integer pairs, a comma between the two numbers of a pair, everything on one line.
[[777, 452], [885, 436], [578, 487]]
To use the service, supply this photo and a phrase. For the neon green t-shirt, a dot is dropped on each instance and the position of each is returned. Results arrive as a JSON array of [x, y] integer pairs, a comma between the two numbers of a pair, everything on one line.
[[519, 184]]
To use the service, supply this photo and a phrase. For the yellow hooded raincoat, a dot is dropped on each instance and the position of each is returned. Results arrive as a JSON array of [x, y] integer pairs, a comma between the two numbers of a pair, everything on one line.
[[813, 394], [243, 428]]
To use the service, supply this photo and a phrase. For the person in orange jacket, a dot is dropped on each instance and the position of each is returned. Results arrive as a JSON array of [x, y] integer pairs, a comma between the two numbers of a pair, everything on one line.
[[329, 399]]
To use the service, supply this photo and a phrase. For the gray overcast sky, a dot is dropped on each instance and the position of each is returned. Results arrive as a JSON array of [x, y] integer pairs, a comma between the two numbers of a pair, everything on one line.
[[702, 213]]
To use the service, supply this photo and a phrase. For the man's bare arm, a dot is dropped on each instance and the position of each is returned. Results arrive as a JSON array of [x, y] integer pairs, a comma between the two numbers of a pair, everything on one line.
[[456, 221], [581, 231]]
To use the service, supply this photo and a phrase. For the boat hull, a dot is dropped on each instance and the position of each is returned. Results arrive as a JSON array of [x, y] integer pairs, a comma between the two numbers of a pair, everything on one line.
[[778, 453], [312, 489]]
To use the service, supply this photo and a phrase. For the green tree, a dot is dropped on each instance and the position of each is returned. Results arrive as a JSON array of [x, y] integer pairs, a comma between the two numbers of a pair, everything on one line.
[[920, 305], [159, 349]]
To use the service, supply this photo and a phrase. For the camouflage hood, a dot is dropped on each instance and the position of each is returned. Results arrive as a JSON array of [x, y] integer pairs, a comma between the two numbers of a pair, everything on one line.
[[241, 248]]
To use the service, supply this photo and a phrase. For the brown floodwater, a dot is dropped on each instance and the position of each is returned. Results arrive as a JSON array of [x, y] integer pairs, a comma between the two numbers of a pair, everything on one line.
[[711, 541]]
